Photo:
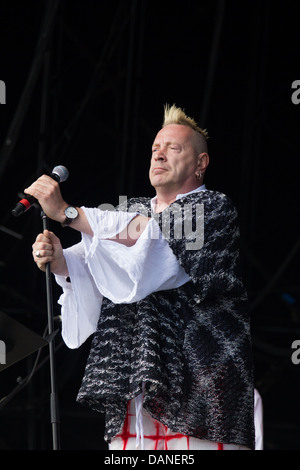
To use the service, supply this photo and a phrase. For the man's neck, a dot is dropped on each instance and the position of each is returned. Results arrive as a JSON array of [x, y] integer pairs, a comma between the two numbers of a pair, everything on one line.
[[165, 198]]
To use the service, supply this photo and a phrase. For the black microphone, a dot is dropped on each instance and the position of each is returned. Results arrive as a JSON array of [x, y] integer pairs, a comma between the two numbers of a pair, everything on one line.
[[59, 174]]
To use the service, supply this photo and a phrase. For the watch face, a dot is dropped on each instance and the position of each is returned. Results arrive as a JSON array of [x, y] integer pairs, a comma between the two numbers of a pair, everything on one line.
[[71, 212]]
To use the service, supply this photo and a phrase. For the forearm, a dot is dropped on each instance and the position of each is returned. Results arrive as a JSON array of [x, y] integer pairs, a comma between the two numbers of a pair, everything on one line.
[[127, 236], [47, 192]]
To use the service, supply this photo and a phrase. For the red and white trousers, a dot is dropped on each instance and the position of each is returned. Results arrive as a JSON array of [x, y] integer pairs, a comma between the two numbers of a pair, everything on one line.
[[142, 432]]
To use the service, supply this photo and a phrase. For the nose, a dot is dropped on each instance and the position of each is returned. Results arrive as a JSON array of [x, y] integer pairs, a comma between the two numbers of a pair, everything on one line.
[[160, 155]]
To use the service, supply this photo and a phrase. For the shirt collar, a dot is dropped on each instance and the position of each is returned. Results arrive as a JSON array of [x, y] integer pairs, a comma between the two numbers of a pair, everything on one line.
[[200, 188]]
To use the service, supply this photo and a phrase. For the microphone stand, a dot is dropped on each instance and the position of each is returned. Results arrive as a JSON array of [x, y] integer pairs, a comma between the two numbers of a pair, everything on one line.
[[51, 339]]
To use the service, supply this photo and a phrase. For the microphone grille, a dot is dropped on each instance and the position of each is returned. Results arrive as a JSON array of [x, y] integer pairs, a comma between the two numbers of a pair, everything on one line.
[[62, 173]]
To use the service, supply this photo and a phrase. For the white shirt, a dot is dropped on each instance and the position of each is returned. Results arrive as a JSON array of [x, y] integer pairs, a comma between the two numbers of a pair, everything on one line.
[[99, 268]]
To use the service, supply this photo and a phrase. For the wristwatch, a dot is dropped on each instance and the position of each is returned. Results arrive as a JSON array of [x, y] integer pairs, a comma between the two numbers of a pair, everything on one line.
[[71, 214]]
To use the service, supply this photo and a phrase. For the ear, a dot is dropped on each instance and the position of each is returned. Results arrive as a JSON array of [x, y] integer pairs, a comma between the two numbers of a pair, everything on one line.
[[202, 161]]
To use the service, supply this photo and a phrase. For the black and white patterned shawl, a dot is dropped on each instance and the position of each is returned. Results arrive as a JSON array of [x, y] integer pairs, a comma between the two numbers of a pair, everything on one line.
[[190, 346]]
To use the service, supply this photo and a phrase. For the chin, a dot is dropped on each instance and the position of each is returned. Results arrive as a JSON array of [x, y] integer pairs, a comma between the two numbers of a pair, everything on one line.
[[156, 182]]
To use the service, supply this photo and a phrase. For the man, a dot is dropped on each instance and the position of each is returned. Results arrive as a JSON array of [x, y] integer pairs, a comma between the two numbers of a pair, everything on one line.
[[170, 363]]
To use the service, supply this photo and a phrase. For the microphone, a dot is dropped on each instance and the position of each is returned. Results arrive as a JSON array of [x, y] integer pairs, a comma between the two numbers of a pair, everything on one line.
[[59, 174]]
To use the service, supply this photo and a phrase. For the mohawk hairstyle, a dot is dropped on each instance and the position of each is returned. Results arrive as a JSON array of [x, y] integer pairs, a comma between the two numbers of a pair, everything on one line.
[[174, 115]]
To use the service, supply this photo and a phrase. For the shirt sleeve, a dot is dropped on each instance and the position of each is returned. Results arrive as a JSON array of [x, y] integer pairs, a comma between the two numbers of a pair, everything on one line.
[[99, 267], [80, 301]]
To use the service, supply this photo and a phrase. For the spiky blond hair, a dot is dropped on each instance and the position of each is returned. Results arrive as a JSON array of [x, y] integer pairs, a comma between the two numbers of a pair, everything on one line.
[[175, 115]]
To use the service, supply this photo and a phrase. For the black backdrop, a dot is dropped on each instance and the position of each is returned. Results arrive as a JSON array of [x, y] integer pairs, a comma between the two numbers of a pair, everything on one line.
[[86, 82]]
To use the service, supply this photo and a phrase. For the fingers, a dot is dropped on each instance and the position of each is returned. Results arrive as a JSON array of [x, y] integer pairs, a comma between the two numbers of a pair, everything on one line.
[[42, 187], [47, 191], [42, 248], [42, 256], [48, 249], [43, 253]]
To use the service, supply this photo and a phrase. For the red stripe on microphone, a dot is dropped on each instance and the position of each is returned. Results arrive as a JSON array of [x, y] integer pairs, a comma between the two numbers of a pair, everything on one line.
[[25, 203]]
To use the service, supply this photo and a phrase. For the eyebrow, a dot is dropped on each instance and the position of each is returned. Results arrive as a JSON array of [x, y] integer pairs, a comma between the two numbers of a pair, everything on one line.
[[167, 144]]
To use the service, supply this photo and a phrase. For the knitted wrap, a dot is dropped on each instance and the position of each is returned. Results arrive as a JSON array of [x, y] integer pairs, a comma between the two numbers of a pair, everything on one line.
[[189, 346]]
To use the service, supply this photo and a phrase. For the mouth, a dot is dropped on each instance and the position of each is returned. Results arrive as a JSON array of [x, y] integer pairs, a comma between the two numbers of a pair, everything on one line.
[[158, 169]]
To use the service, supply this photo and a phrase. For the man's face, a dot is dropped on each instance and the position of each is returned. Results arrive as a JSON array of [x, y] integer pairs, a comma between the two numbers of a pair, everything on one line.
[[174, 159]]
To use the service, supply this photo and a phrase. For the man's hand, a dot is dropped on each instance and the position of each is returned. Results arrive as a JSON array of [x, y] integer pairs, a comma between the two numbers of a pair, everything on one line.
[[47, 191], [49, 250]]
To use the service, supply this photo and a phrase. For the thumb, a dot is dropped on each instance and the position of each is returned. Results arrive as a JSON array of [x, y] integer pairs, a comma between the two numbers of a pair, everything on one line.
[[53, 238]]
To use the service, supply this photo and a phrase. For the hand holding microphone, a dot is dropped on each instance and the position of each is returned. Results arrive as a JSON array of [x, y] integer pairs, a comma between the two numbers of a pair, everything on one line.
[[46, 191]]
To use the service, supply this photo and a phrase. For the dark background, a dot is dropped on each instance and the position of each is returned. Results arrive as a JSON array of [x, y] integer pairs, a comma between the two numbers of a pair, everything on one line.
[[86, 82]]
